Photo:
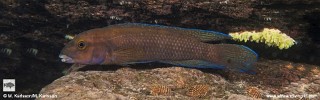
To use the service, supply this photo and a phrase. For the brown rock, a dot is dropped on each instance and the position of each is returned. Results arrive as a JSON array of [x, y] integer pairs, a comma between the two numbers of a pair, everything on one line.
[[129, 83], [198, 90], [304, 80], [240, 97], [317, 81], [168, 83]]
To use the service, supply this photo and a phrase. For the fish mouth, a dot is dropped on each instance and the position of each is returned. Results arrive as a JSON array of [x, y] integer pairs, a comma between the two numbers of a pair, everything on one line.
[[66, 59]]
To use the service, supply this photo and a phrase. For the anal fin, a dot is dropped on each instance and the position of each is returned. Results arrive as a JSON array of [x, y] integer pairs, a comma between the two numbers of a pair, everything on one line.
[[195, 64], [138, 62]]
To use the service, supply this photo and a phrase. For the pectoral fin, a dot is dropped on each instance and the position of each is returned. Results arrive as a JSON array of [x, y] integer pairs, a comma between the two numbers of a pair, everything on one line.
[[124, 56], [73, 68]]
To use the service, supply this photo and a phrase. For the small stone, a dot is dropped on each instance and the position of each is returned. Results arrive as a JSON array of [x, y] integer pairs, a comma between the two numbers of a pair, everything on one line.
[[253, 92], [198, 90], [240, 97], [304, 80], [295, 92], [315, 88], [317, 81], [294, 84], [316, 77], [160, 90]]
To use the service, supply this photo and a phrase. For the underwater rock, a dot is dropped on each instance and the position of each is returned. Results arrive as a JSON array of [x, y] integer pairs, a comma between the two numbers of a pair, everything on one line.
[[75, 91], [139, 84], [309, 90], [186, 83], [240, 97]]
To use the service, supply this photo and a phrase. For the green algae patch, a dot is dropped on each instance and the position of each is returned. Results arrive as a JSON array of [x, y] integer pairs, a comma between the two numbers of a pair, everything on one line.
[[271, 37]]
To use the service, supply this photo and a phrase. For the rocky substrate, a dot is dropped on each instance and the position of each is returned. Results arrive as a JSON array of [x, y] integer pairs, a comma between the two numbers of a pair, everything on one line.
[[179, 83], [127, 83]]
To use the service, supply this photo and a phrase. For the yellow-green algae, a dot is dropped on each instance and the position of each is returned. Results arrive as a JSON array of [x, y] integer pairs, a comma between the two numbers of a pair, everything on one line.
[[69, 37], [271, 37]]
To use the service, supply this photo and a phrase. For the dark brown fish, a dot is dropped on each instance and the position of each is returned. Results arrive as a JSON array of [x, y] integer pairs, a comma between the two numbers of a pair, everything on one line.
[[139, 43]]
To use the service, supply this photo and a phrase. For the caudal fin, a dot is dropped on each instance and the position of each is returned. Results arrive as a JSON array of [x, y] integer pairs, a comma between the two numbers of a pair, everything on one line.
[[233, 57]]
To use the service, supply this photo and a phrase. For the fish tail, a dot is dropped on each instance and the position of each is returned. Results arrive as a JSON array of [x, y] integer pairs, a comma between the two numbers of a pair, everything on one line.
[[232, 56]]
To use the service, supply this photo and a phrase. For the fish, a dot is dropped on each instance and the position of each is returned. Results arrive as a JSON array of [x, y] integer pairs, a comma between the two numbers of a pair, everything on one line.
[[9, 84], [132, 43]]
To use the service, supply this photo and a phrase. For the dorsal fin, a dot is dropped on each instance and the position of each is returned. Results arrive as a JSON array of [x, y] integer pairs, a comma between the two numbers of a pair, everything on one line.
[[202, 35]]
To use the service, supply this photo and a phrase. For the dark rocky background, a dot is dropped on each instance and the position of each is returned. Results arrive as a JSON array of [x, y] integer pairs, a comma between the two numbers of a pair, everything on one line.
[[32, 31]]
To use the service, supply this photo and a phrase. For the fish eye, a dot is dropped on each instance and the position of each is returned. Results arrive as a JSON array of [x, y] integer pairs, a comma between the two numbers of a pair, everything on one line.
[[81, 45]]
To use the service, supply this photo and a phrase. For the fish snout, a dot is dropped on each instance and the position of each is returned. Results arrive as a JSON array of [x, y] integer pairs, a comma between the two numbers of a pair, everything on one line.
[[66, 59]]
